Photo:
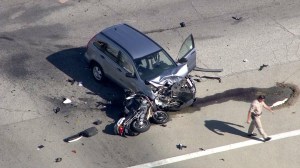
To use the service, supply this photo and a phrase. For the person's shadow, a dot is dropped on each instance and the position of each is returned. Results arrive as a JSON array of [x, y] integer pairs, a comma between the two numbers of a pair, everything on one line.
[[221, 127]]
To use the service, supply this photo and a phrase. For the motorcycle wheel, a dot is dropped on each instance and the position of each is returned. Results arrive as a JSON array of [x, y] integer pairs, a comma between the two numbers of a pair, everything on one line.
[[160, 117], [140, 127]]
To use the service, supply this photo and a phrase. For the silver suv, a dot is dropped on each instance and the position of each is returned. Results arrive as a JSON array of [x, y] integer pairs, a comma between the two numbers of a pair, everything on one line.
[[130, 58]]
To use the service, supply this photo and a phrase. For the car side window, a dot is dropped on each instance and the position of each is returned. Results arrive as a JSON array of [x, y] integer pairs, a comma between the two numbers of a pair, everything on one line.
[[112, 52], [100, 45], [124, 63]]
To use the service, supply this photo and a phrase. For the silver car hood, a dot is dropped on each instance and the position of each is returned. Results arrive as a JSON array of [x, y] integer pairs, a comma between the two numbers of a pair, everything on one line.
[[171, 76]]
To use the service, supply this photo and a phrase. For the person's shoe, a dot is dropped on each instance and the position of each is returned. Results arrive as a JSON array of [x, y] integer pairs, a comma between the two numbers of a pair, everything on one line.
[[267, 139], [252, 135]]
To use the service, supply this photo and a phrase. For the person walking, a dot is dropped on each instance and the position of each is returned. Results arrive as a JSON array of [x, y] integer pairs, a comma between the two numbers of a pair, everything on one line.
[[254, 115]]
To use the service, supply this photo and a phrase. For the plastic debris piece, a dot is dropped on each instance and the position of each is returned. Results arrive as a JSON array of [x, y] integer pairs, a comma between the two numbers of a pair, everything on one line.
[[73, 138], [245, 60], [180, 146], [40, 147], [222, 159], [201, 149], [74, 151], [236, 18], [67, 101], [80, 84], [182, 24], [72, 81], [58, 159], [56, 110], [89, 132], [262, 67]]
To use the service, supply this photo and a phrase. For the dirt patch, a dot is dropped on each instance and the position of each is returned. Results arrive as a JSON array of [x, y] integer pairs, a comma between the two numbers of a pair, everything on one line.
[[292, 97]]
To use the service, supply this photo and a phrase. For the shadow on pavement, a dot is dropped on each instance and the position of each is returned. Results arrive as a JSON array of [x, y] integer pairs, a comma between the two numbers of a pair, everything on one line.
[[221, 127], [72, 63], [273, 94]]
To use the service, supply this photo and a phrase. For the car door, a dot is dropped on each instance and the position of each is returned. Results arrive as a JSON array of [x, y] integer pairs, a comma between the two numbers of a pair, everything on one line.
[[127, 72], [187, 53]]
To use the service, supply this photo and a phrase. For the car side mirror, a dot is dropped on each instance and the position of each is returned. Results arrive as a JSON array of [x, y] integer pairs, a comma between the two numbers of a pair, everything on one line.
[[130, 75], [182, 60]]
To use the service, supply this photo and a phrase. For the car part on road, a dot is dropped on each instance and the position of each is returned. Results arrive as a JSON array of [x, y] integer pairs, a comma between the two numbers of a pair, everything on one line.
[[180, 146], [262, 67], [73, 138], [67, 101], [56, 110], [58, 160], [98, 122], [210, 77], [89, 132]]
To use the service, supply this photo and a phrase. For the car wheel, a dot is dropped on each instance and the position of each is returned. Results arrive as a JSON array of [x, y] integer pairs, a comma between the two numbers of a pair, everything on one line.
[[97, 72]]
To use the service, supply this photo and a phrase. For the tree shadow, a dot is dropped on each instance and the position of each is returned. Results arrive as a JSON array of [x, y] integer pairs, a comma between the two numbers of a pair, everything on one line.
[[72, 63], [221, 127]]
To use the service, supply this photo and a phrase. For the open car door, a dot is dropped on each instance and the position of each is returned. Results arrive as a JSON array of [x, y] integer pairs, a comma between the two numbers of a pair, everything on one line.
[[187, 53]]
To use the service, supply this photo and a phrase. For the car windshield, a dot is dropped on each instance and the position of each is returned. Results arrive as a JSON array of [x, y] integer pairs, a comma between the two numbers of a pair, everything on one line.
[[154, 64]]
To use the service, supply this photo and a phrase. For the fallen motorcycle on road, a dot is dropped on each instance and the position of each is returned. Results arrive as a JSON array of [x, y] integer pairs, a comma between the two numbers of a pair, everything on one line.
[[138, 111]]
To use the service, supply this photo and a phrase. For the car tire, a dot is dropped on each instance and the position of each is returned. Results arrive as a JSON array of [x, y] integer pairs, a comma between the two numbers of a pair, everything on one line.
[[97, 72]]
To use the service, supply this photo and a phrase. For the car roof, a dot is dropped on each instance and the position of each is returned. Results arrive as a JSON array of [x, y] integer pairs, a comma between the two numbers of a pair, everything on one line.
[[133, 41]]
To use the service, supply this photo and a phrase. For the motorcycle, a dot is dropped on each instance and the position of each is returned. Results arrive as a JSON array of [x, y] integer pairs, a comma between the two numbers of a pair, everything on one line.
[[173, 93], [138, 110]]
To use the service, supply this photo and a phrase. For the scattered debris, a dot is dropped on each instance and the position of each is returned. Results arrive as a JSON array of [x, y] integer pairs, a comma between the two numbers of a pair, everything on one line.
[[201, 149], [67, 122], [40, 147], [98, 122], [72, 81], [222, 159], [236, 18], [163, 125], [294, 112], [74, 151], [86, 133], [245, 60], [279, 102], [180, 146], [12, 91], [209, 77], [67, 101], [56, 110], [80, 84], [182, 24], [263, 66], [58, 159], [89, 132], [82, 144], [73, 138], [197, 80]]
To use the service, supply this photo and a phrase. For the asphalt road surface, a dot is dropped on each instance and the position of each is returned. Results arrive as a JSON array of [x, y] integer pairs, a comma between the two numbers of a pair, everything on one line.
[[41, 50]]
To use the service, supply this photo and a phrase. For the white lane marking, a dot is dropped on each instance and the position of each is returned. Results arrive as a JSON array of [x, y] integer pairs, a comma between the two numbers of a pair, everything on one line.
[[215, 150]]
